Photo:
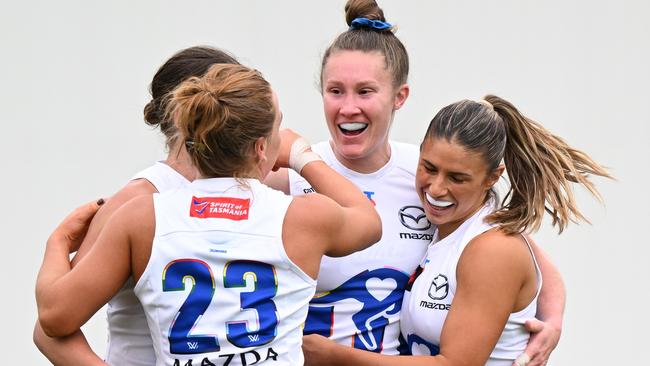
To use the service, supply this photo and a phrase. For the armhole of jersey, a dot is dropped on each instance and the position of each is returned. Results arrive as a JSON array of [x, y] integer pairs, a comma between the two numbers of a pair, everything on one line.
[[145, 273], [538, 271], [293, 266]]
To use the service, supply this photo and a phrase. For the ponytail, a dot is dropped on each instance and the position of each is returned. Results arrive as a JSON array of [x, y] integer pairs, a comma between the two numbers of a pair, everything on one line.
[[541, 168]]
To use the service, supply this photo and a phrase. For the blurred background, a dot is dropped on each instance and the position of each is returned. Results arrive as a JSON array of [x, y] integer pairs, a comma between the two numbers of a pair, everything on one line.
[[75, 74]]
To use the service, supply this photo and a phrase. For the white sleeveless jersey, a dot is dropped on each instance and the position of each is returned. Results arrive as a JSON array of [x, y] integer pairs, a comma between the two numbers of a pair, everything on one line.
[[359, 296], [431, 291], [129, 341], [219, 288]]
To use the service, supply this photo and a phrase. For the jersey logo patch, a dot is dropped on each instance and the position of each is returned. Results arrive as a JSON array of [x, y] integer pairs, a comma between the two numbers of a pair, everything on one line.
[[413, 217], [439, 288], [220, 207], [369, 195]]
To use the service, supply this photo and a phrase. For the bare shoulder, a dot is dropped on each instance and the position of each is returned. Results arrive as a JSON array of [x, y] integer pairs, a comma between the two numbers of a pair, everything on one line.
[[495, 251], [131, 190]]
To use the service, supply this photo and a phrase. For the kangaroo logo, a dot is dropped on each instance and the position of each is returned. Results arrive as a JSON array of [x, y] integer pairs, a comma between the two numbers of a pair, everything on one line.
[[439, 287], [380, 291]]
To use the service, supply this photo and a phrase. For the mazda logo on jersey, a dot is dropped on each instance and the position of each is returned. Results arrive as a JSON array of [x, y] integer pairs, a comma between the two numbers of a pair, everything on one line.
[[439, 287], [413, 217]]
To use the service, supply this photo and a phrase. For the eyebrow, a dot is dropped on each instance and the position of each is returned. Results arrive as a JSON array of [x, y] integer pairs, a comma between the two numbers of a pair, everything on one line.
[[465, 175]]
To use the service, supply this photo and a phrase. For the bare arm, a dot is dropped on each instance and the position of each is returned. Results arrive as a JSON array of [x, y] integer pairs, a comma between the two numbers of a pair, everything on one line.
[[278, 180], [99, 276], [550, 311], [74, 349], [490, 277], [337, 220]]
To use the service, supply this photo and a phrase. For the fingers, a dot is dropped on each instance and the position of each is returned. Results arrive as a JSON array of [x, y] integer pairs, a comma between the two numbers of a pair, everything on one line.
[[82, 214], [73, 228], [522, 360], [543, 339], [534, 325]]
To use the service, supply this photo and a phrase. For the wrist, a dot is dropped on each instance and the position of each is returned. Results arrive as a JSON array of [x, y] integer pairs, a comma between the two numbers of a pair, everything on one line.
[[301, 155]]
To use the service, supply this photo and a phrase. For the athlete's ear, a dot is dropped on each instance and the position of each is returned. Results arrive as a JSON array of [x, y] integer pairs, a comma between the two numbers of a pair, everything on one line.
[[260, 149], [494, 176], [401, 95]]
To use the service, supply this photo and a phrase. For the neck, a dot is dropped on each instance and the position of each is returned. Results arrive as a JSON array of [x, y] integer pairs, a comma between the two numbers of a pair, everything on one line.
[[367, 164], [179, 160]]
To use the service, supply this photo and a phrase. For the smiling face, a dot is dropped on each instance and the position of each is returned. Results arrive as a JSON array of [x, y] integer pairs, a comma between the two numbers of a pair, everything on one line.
[[359, 100], [452, 183]]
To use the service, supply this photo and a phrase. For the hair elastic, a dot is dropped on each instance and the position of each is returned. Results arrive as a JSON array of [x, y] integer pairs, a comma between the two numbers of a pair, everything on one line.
[[359, 23]]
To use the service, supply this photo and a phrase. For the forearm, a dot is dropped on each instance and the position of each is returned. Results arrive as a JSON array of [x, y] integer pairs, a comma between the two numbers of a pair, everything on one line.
[[357, 357], [328, 182], [552, 297], [69, 351], [55, 265]]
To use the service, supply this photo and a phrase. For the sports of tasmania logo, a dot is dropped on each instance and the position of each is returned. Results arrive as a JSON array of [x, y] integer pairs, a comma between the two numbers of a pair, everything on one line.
[[439, 287], [413, 217]]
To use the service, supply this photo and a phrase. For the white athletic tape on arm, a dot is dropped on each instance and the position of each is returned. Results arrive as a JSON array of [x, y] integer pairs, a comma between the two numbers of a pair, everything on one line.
[[300, 156], [522, 360]]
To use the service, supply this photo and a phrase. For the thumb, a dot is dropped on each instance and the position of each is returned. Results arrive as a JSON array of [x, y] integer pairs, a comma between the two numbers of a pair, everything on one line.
[[534, 325]]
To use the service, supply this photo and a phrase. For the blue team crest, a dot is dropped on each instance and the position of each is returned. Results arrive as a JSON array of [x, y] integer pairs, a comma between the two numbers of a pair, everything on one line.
[[368, 288]]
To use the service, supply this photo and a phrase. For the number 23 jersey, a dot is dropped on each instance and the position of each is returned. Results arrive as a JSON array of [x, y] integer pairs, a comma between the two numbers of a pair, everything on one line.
[[219, 287]]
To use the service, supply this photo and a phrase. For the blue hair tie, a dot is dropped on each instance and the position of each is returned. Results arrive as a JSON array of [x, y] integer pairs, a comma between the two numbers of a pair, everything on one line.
[[359, 23]]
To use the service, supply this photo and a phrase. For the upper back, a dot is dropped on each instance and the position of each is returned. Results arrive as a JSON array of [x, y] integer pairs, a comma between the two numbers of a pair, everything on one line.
[[245, 292]]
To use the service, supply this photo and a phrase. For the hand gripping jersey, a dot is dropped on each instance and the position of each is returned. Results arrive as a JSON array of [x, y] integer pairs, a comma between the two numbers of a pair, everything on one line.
[[129, 341], [428, 301], [359, 296], [219, 288]]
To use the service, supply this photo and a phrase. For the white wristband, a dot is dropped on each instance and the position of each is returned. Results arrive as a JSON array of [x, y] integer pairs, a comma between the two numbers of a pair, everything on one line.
[[299, 156]]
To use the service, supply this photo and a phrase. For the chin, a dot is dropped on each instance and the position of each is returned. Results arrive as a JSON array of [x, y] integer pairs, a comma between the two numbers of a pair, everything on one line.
[[351, 152]]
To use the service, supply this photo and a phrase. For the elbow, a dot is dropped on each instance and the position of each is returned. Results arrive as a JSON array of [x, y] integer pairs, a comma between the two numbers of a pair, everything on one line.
[[52, 325], [38, 337], [54, 322]]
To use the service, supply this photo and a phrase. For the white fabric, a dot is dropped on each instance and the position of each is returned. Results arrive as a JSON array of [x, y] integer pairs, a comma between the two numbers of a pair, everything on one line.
[[129, 341], [427, 303], [359, 296], [249, 281]]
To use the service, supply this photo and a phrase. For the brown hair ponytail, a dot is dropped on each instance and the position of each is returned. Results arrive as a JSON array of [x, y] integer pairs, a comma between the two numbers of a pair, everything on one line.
[[541, 168], [540, 165]]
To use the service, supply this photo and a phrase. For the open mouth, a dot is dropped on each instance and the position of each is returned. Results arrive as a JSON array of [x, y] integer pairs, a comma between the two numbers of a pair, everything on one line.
[[352, 128], [440, 205]]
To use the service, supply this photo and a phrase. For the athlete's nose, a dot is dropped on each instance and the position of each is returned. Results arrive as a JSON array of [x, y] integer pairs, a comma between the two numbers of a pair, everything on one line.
[[349, 106], [437, 186]]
